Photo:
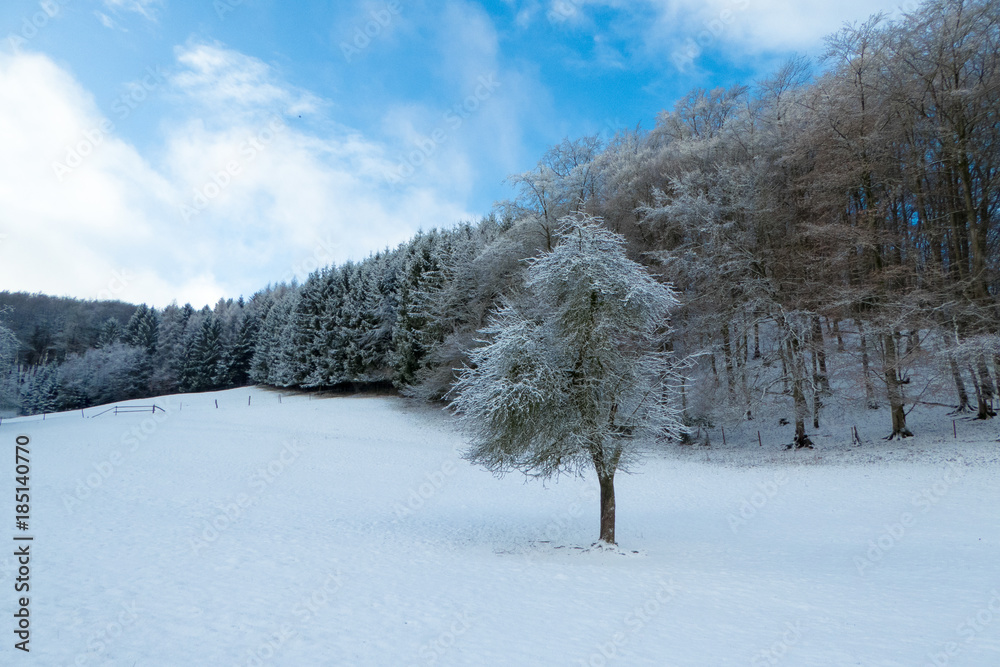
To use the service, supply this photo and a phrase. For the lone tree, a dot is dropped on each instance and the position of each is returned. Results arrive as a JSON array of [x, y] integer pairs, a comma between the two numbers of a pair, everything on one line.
[[576, 373]]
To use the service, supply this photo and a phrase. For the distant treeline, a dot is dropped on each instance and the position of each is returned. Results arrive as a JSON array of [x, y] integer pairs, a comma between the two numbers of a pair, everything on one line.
[[828, 231]]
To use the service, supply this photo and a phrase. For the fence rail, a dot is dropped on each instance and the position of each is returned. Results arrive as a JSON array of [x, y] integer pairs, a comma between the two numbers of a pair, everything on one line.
[[126, 409]]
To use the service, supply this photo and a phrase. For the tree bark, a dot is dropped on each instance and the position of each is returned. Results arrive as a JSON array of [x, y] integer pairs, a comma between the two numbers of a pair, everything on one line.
[[796, 363], [956, 374], [607, 482], [727, 352], [894, 388], [984, 411], [866, 368], [819, 350], [784, 372], [986, 390]]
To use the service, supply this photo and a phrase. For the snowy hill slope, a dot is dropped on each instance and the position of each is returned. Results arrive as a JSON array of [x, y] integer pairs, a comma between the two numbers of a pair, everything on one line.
[[347, 531]]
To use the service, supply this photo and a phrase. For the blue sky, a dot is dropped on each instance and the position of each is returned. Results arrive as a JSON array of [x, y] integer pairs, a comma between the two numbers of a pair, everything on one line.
[[164, 149]]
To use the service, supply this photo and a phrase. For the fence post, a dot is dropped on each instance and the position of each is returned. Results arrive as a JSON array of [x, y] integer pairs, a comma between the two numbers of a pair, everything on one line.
[[216, 404], [760, 443], [248, 400], [723, 436]]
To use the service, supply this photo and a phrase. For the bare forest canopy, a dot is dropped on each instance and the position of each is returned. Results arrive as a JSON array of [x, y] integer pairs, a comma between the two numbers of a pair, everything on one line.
[[827, 233]]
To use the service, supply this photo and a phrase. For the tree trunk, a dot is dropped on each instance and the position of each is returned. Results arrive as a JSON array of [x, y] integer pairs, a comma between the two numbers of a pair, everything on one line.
[[684, 402], [986, 390], [984, 411], [727, 353], [784, 373], [819, 350], [866, 369], [796, 363], [894, 388], [963, 395], [607, 482], [756, 340], [817, 404], [840, 338]]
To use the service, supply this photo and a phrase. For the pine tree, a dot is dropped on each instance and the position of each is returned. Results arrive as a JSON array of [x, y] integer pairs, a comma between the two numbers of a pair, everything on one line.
[[41, 390], [204, 368], [409, 336], [143, 329], [240, 355], [111, 333], [8, 371]]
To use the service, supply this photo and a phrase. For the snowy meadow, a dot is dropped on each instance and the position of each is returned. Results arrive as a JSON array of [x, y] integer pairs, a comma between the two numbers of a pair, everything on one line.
[[312, 530]]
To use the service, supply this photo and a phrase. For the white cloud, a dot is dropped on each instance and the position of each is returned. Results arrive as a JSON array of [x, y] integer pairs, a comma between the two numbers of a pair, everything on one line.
[[279, 197], [144, 8], [225, 81], [762, 25], [738, 27], [105, 20], [480, 117]]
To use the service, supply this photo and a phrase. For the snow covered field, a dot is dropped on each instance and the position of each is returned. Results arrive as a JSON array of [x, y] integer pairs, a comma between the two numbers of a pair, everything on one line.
[[347, 531]]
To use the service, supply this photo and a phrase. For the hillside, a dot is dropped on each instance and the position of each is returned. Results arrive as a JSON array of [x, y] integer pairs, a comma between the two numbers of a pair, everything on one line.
[[347, 530]]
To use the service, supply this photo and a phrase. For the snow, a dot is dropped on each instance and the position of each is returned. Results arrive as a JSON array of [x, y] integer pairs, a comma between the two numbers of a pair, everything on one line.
[[348, 531]]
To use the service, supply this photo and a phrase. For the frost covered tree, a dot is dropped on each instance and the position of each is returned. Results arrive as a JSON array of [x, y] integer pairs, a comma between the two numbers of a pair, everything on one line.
[[8, 377], [576, 375], [111, 333], [239, 356], [143, 329], [113, 373], [41, 390], [204, 357]]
